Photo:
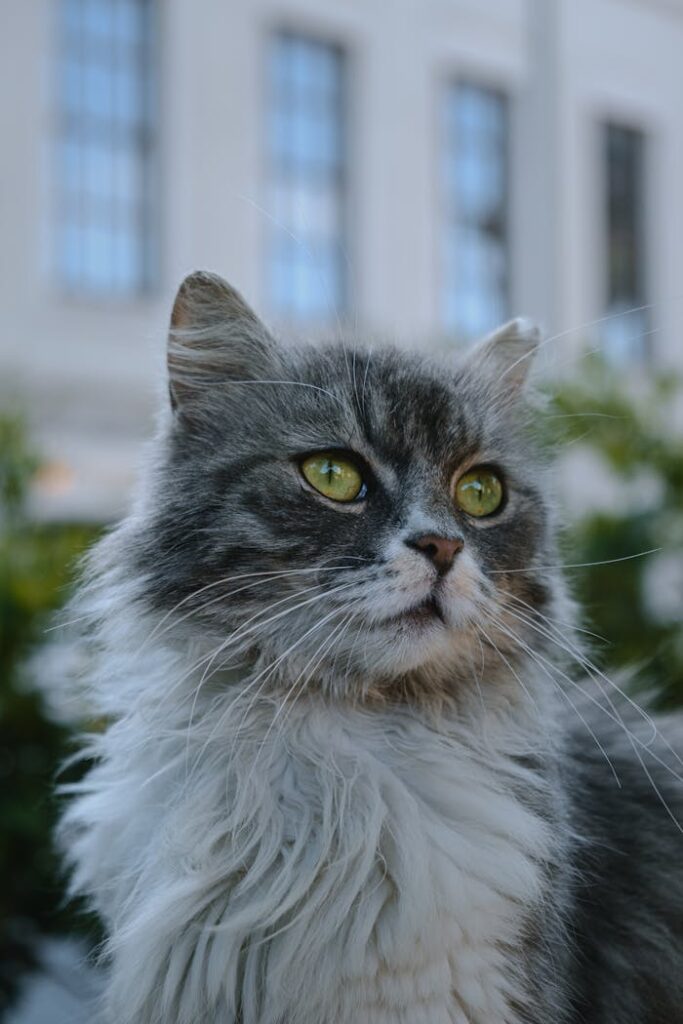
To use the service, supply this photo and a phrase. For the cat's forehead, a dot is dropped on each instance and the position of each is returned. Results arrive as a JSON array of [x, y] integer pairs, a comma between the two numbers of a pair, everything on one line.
[[399, 408], [397, 401]]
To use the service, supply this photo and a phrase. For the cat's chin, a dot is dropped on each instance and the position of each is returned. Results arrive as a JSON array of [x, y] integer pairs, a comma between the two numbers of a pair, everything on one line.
[[417, 640]]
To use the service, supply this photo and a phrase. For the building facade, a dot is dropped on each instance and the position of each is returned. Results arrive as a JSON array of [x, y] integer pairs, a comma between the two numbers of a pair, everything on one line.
[[416, 169]]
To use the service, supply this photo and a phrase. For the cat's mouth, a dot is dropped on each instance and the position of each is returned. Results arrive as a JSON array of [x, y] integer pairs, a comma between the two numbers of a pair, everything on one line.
[[425, 612]]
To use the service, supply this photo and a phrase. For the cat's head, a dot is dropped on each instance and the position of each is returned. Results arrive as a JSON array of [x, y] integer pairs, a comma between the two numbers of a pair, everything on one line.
[[342, 516]]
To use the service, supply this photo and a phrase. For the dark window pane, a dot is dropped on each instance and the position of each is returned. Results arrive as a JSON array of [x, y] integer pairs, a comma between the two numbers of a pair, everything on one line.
[[625, 332], [475, 172], [306, 178], [104, 153]]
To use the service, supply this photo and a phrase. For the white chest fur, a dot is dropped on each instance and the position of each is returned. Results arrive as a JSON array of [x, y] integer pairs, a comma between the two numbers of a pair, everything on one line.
[[336, 867]]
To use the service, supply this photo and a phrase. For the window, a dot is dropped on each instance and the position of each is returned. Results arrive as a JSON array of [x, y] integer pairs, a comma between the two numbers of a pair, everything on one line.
[[105, 238], [475, 182], [624, 334], [306, 171]]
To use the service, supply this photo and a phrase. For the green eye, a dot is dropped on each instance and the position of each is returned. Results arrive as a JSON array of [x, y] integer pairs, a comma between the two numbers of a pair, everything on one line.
[[479, 492], [334, 476]]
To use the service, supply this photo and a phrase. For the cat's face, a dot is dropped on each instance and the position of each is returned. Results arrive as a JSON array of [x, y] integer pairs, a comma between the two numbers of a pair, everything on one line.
[[341, 515]]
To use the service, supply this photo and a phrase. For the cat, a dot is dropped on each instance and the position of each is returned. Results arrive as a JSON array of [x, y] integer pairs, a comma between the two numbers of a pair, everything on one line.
[[349, 773]]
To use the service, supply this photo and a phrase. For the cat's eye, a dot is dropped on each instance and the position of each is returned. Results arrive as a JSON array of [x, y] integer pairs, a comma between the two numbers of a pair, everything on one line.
[[333, 476], [479, 492]]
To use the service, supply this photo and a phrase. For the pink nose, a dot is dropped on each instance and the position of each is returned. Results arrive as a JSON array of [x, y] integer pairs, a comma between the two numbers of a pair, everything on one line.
[[439, 550]]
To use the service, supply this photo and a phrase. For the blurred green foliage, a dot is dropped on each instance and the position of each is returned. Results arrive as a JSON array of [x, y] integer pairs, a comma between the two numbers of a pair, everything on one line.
[[630, 429], [36, 562]]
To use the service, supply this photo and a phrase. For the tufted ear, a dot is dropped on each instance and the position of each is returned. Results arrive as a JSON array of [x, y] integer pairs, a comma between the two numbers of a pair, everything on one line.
[[505, 356], [214, 337]]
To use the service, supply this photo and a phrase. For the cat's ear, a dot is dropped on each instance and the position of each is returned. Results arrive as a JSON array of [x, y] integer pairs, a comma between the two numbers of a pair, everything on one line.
[[214, 337], [505, 357]]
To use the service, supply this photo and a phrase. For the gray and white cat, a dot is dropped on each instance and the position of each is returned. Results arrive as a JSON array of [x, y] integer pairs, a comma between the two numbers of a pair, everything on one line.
[[349, 775]]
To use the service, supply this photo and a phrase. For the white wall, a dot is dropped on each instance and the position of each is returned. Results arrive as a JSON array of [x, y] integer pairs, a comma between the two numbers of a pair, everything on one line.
[[89, 371]]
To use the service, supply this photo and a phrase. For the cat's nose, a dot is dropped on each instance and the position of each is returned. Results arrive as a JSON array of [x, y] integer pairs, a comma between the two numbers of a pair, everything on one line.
[[439, 550]]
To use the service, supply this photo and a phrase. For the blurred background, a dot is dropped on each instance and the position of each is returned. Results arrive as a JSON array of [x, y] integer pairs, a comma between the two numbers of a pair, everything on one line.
[[415, 170]]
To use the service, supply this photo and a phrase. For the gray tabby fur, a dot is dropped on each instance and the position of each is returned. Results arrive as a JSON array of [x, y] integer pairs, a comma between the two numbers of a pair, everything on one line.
[[311, 808]]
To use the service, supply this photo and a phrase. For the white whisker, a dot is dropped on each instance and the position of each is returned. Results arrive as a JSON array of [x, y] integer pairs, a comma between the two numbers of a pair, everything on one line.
[[268, 577], [611, 714], [532, 655], [576, 565], [599, 677]]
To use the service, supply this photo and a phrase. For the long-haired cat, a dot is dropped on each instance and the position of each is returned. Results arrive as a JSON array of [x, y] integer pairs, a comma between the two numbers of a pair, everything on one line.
[[351, 773]]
